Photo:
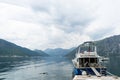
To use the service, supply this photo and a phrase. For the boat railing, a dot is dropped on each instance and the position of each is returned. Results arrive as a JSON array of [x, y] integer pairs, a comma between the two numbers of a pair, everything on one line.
[[91, 65]]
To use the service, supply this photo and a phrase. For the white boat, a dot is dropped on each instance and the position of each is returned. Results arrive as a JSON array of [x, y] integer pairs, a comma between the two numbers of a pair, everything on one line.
[[88, 65]]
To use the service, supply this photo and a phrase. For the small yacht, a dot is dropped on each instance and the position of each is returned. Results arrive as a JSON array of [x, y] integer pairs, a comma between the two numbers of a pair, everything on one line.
[[88, 66]]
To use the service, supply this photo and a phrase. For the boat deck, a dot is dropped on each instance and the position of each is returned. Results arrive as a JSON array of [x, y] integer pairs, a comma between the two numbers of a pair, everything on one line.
[[81, 77]]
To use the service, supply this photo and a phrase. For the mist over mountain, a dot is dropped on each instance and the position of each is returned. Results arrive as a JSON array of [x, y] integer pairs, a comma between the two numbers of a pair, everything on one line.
[[106, 47], [58, 51], [8, 49]]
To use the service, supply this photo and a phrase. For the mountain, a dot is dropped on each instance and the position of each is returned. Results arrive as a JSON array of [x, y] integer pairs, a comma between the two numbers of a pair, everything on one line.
[[10, 49], [41, 52], [58, 51], [106, 47], [109, 46]]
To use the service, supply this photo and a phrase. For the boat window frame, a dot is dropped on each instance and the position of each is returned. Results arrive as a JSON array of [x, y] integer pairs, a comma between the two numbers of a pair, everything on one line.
[[82, 61]]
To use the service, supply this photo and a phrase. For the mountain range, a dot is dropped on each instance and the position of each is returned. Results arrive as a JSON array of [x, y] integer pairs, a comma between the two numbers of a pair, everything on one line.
[[8, 49], [58, 51], [106, 47], [41, 52]]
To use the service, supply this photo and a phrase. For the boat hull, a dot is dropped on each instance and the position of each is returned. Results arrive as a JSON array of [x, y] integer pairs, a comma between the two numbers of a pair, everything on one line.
[[89, 71]]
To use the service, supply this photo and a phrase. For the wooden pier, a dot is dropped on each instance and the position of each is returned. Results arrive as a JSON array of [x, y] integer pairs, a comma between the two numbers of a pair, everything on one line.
[[82, 77]]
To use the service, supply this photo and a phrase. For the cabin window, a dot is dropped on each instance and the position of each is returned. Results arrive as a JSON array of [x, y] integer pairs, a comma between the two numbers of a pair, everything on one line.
[[87, 61], [88, 48], [93, 60]]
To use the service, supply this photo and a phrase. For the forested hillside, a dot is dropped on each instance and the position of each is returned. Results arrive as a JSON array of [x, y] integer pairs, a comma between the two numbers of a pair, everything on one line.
[[8, 49]]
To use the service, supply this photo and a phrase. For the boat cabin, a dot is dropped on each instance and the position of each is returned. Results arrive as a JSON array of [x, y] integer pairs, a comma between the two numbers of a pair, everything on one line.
[[88, 62]]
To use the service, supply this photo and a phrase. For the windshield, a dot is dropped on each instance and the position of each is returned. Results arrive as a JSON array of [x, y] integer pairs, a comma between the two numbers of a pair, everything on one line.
[[88, 46]]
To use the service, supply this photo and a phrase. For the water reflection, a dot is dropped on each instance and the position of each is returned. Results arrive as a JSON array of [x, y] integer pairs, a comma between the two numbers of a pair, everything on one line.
[[114, 65], [48, 68]]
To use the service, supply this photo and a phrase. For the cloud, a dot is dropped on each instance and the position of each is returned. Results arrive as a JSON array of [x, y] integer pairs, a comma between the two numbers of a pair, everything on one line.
[[45, 24]]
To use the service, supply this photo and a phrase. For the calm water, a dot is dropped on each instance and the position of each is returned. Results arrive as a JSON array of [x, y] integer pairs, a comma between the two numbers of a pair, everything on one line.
[[113, 65], [47, 68]]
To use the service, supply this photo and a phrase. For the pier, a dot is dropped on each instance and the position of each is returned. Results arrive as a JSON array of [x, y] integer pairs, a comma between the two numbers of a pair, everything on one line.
[[81, 77]]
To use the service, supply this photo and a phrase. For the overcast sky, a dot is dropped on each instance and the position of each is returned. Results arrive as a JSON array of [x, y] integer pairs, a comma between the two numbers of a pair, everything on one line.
[[41, 24]]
